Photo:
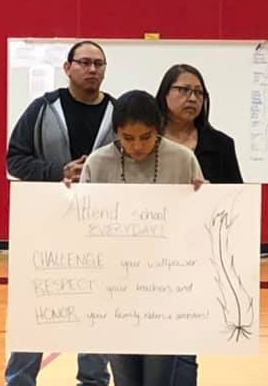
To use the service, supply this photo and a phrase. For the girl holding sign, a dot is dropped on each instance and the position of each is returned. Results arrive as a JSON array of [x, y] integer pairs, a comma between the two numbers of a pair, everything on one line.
[[142, 155]]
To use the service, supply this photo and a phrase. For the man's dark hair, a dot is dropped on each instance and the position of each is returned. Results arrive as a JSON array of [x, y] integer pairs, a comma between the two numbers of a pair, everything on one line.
[[169, 78], [71, 53], [137, 106]]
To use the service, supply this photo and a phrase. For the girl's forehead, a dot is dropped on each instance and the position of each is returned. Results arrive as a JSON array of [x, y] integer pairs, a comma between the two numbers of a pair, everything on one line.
[[137, 128]]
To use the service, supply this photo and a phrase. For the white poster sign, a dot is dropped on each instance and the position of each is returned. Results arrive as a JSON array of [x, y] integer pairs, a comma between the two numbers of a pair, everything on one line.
[[118, 268]]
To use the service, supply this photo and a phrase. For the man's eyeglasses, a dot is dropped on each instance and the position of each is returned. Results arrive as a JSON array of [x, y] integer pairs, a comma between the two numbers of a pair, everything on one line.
[[187, 91], [87, 62]]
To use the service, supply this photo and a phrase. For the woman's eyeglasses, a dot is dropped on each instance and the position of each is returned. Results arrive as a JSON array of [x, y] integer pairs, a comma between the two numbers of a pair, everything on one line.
[[188, 91]]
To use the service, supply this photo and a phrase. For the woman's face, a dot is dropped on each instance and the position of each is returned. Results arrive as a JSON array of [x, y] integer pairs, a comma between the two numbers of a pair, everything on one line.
[[185, 98], [137, 139]]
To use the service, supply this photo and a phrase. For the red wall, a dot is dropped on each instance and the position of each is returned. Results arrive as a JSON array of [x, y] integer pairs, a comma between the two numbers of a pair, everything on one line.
[[198, 19]]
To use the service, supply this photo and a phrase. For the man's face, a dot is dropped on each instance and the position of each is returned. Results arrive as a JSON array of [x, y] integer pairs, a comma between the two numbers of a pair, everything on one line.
[[86, 71]]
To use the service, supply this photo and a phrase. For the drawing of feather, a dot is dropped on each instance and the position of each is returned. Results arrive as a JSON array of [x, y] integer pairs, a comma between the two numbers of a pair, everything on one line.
[[236, 303]]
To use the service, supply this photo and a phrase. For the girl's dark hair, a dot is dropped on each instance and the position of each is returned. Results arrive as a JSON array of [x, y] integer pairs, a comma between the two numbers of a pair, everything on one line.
[[137, 106], [169, 78], [71, 53]]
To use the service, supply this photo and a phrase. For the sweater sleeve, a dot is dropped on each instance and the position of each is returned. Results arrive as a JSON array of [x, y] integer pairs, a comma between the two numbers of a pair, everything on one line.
[[22, 162]]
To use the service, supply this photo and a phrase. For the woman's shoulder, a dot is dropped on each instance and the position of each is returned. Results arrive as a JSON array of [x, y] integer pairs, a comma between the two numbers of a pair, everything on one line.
[[103, 151], [212, 134]]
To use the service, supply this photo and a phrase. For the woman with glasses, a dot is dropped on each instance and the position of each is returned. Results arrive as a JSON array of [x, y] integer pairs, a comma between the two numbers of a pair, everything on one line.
[[184, 102]]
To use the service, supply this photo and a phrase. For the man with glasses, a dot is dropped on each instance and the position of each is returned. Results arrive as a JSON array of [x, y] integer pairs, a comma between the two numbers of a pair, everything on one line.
[[51, 141]]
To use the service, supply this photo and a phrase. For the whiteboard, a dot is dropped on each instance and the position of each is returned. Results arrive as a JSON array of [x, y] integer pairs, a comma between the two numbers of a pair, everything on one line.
[[235, 74]]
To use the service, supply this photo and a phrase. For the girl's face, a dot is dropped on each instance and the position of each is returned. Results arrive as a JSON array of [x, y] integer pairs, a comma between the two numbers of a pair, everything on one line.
[[137, 139], [185, 98]]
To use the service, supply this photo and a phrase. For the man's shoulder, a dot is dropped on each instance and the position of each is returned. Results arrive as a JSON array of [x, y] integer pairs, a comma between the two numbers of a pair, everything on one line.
[[47, 98]]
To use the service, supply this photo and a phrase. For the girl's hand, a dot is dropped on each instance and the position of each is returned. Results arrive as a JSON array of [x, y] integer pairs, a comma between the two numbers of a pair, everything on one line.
[[196, 182]]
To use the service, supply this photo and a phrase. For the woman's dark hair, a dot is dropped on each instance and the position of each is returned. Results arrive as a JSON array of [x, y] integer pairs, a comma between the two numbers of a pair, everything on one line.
[[71, 53], [137, 106], [169, 78]]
